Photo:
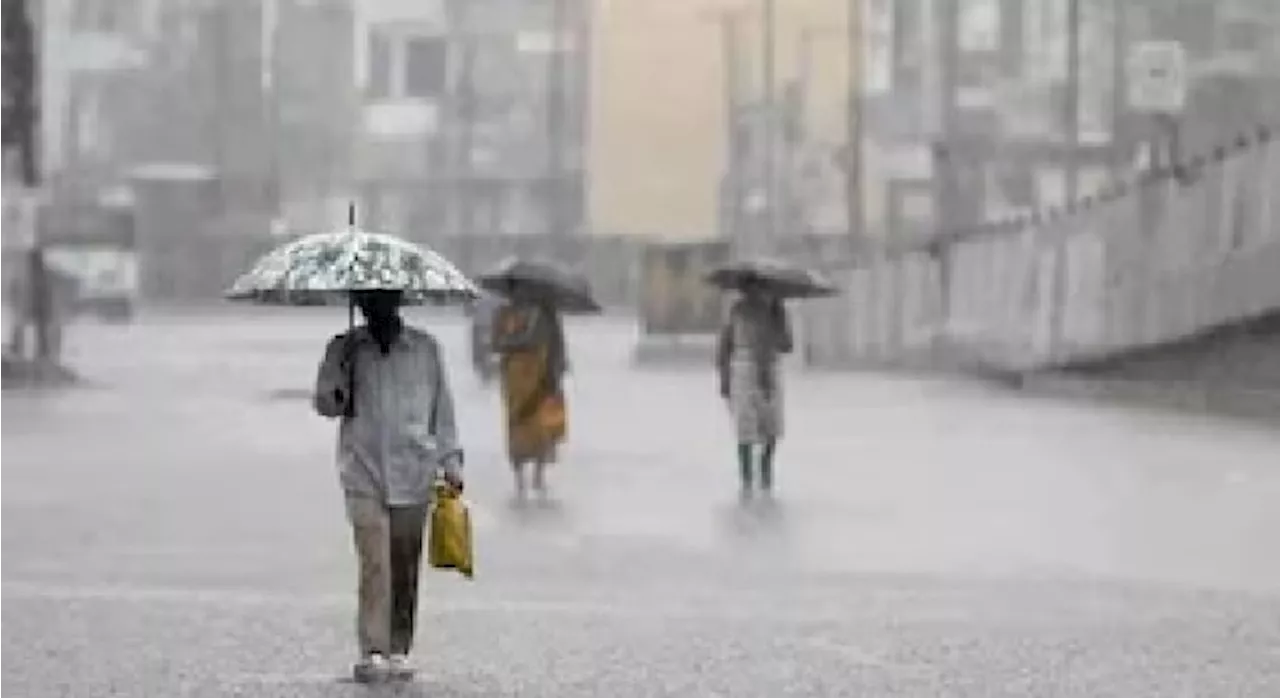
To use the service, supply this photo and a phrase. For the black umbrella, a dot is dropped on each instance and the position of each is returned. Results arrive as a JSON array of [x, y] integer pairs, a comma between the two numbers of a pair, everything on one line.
[[776, 277], [542, 280]]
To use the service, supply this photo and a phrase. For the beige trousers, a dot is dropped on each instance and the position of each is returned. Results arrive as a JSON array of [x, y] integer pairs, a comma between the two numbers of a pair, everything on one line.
[[388, 543]]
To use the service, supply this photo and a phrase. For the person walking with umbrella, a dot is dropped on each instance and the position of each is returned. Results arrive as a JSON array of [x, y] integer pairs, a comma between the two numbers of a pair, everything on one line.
[[397, 436], [386, 383], [755, 335], [528, 335]]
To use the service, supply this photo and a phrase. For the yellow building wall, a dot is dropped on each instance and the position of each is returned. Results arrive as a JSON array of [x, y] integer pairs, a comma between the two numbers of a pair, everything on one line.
[[657, 137]]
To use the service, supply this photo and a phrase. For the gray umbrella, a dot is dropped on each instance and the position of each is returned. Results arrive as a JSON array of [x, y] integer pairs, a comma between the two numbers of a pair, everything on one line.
[[776, 277], [540, 279]]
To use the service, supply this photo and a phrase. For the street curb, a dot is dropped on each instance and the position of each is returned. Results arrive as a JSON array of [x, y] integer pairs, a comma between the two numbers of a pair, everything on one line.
[[1231, 400]]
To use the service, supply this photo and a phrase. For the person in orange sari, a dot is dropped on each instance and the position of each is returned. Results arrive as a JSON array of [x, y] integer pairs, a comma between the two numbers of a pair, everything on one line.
[[529, 338]]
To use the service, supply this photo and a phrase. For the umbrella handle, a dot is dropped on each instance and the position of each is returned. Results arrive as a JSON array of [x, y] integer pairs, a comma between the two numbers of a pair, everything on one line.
[[351, 214]]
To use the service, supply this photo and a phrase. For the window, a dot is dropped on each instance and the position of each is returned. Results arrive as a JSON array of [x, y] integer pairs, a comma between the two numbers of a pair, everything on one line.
[[97, 15], [405, 64], [424, 66], [379, 66]]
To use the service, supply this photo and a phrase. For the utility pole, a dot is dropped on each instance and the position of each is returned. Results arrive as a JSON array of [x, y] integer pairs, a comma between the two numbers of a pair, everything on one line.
[[221, 122], [945, 208], [946, 204], [466, 142], [853, 121], [770, 103], [1119, 86], [21, 120], [556, 111], [730, 21], [1058, 289], [21, 90], [271, 95], [464, 113], [1072, 106]]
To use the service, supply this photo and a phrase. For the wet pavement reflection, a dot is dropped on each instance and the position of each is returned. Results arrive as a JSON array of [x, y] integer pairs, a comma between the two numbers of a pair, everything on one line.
[[174, 527]]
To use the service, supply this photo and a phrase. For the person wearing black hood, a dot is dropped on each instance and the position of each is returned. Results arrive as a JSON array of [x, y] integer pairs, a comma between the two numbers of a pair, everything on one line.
[[386, 382]]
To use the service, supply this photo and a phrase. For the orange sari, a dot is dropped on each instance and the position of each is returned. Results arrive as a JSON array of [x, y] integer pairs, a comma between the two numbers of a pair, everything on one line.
[[529, 340]]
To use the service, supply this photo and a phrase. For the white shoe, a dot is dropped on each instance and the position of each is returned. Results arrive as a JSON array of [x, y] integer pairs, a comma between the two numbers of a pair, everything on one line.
[[370, 669], [399, 667]]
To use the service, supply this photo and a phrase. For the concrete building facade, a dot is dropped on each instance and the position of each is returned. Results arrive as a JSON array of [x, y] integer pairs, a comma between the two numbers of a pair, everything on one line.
[[660, 115]]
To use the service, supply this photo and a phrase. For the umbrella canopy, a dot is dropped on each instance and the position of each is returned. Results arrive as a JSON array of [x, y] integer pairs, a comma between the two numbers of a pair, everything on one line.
[[776, 277], [516, 277], [323, 269]]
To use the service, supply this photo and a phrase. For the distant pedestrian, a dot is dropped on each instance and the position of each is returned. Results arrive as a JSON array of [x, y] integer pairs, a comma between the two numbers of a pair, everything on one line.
[[386, 381], [18, 309], [756, 334], [44, 298], [482, 313], [529, 338]]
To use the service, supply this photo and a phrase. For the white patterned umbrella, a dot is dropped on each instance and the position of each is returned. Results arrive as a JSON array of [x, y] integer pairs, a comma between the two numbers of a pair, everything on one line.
[[323, 269]]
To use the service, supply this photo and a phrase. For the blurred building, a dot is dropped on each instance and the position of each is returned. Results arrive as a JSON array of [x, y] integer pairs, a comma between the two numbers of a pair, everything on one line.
[[91, 51], [1002, 134], [517, 128], [400, 74], [457, 128], [213, 123], [667, 99], [312, 115], [245, 89]]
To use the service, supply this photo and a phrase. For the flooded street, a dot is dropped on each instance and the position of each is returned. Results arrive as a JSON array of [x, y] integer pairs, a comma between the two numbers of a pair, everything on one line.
[[176, 528]]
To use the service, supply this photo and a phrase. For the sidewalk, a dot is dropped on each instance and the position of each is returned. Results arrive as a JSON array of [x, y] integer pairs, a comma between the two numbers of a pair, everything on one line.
[[1255, 403]]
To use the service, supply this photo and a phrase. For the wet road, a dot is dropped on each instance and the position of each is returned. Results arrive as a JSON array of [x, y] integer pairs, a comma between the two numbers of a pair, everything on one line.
[[176, 529]]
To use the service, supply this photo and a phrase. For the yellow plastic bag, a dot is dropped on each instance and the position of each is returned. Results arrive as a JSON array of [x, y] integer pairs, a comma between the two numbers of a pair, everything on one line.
[[449, 544]]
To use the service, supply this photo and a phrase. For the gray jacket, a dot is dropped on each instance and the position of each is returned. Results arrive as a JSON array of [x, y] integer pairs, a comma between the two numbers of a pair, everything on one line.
[[402, 428]]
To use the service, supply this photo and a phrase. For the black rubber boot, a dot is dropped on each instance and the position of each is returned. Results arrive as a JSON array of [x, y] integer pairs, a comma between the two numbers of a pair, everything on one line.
[[746, 473], [766, 466]]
